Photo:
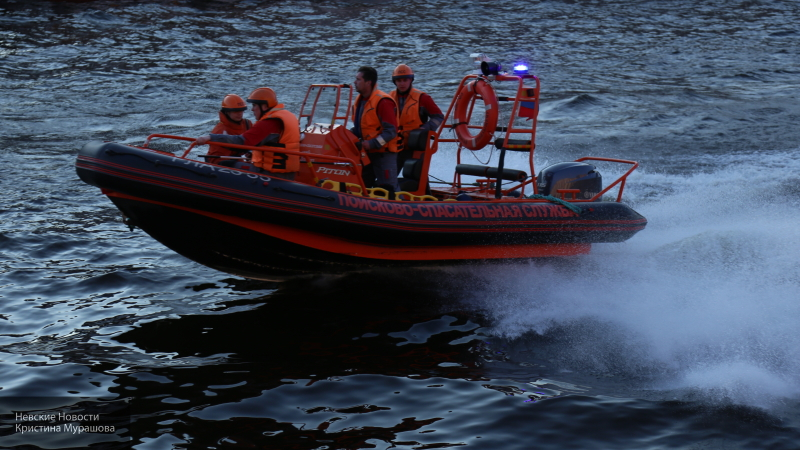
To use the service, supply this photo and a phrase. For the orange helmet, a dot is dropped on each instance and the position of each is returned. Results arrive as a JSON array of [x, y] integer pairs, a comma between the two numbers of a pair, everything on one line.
[[263, 95], [402, 71], [233, 102]]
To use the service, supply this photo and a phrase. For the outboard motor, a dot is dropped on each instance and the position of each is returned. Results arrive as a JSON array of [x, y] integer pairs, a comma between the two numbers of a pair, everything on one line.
[[570, 175]]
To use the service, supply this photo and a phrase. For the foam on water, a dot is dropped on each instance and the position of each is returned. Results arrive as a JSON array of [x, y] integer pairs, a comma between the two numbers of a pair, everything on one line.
[[704, 300]]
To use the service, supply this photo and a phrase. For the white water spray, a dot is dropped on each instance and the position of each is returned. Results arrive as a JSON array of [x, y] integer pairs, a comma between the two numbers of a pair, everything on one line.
[[703, 301]]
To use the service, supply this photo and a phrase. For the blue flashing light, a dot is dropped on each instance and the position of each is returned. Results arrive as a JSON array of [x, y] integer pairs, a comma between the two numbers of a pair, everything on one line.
[[520, 68]]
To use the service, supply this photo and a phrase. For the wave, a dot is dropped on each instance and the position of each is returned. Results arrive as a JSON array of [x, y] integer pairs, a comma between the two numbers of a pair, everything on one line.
[[569, 106]]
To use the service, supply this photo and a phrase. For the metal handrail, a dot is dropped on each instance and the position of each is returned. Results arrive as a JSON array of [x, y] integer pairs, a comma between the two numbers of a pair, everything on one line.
[[337, 106], [621, 180], [261, 148]]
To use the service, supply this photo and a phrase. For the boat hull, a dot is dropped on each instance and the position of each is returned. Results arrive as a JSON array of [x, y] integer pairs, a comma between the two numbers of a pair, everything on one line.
[[260, 227]]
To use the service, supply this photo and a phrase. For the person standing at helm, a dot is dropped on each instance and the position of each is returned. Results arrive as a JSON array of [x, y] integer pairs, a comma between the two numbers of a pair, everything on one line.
[[274, 127], [231, 121], [375, 125], [417, 109]]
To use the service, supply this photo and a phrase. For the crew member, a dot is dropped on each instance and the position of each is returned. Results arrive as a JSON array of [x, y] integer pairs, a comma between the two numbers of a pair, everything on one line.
[[274, 127], [375, 124], [417, 109], [231, 121]]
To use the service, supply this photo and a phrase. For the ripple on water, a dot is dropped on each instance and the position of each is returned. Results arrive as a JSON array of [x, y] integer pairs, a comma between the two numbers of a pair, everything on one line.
[[684, 336]]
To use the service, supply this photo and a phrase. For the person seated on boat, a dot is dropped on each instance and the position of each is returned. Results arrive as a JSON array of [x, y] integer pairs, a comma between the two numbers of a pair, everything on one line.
[[274, 127], [375, 125], [417, 109], [231, 121]]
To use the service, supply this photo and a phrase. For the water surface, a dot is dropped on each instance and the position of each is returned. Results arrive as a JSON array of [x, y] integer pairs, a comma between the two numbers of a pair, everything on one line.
[[686, 336]]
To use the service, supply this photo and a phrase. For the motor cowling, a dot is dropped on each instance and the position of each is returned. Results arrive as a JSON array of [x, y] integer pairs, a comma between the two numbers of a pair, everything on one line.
[[570, 175]]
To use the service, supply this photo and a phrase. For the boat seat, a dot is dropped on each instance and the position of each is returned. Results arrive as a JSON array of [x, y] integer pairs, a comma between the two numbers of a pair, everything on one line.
[[490, 172], [412, 173], [415, 169], [412, 168], [417, 141]]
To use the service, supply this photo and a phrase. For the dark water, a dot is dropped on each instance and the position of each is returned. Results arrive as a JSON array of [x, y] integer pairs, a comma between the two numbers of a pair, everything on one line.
[[687, 336]]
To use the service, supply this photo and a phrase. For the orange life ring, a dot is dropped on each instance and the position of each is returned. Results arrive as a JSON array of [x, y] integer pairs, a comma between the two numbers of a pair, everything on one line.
[[483, 137]]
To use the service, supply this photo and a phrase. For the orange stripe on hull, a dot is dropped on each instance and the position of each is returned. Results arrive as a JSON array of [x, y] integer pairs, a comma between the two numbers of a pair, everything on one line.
[[358, 249]]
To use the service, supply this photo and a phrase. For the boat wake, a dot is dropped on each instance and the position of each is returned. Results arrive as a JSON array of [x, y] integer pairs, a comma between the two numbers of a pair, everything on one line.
[[703, 304]]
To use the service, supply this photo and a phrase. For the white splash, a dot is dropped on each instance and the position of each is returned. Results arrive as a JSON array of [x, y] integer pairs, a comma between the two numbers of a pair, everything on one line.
[[705, 299]]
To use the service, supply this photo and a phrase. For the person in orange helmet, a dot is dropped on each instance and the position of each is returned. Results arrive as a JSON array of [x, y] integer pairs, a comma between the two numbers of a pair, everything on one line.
[[275, 127], [231, 121], [375, 125], [417, 109]]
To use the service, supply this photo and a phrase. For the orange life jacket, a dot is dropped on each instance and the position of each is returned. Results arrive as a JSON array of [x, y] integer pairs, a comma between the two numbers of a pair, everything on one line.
[[290, 138], [370, 122], [227, 126], [408, 119]]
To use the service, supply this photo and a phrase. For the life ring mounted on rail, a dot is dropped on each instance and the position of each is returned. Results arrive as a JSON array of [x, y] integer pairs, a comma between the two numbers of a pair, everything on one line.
[[476, 142]]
